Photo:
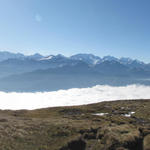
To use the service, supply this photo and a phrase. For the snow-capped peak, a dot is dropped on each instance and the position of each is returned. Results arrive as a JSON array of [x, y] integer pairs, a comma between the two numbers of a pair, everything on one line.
[[47, 57], [88, 58]]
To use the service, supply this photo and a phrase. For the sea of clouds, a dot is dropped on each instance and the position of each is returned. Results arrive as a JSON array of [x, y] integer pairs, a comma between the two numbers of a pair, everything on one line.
[[75, 96]]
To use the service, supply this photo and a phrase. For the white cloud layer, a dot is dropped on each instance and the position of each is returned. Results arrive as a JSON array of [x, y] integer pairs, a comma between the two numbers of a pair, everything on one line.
[[73, 96]]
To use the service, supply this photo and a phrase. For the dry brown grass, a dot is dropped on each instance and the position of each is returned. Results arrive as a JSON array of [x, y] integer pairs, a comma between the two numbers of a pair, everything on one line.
[[56, 128]]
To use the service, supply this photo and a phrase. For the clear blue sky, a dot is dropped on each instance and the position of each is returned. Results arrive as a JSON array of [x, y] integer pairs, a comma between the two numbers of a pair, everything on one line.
[[102, 27]]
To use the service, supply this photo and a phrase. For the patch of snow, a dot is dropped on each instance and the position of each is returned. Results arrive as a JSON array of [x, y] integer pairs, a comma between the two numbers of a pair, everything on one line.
[[95, 61], [47, 58], [100, 114], [129, 114]]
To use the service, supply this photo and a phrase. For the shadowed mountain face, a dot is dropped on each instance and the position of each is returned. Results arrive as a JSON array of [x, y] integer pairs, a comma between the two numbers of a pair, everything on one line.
[[39, 73], [17, 66], [77, 76]]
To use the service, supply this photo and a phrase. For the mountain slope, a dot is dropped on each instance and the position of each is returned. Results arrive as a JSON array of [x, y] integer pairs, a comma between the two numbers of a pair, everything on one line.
[[76, 76], [18, 66], [87, 58], [54, 72], [4, 55]]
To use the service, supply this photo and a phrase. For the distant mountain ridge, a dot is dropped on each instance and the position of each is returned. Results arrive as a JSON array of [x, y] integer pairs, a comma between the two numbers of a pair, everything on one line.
[[88, 58], [11, 63], [53, 72], [16, 63]]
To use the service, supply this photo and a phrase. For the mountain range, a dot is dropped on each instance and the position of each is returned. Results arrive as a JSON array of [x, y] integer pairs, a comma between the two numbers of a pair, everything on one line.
[[87, 58], [19, 72]]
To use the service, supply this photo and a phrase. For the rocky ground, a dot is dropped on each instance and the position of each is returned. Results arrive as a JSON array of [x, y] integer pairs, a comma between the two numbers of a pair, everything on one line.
[[117, 125]]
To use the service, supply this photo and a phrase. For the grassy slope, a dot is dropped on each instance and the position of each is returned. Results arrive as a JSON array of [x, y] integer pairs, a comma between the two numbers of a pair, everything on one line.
[[77, 128]]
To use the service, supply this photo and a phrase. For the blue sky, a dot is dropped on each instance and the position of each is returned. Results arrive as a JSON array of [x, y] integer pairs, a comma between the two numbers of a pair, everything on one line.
[[102, 27]]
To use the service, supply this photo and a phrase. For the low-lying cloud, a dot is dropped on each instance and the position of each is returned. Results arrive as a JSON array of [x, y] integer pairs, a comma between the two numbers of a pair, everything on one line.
[[75, 96]]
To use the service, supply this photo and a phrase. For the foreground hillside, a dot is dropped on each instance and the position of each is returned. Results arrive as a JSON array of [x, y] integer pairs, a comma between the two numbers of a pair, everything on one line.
[[118, 125]]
